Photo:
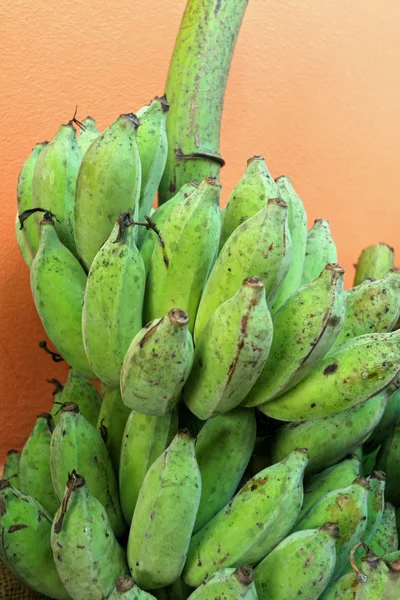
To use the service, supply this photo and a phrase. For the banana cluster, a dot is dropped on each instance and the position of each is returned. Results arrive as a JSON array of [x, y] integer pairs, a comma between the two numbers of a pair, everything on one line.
[[245, 440]]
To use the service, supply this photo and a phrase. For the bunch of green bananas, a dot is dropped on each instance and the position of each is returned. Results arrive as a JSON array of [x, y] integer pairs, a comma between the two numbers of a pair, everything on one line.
[[246, 441]]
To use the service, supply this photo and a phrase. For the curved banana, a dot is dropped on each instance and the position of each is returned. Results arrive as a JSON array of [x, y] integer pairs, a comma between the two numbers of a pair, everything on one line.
[[80, 390], [230, 584], [22, 242], [87, 135], [113, 416], [320, 250], [11, 467], [375, 503], [386, 424], [386, 537], [388, 461], [374, 262], [126, 588]]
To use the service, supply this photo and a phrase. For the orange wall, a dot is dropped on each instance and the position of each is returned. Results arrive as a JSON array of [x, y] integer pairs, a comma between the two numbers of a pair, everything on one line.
[[314, 87]]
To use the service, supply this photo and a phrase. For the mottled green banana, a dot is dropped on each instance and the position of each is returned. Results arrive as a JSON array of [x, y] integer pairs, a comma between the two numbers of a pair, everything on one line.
[[320, 250], [386, 537], [11, 468], [144, 439], [113, 301], [87, 135], [374, 262], [184, 254], [260, 515], [34, 468], [230, 352], [127, 589], [260, 247], [58, 284], [249, 196], [22, 242], [375, 503], [25, 546], [164, 516], [87, 555], [301, 565], [54, 181], [350, 374], [331, 438], [111, 421], [108, 183], [297, 221], [75, 444], [386, 424], [230, 584], [157, 364], [223, 449], [391, 591], [296, 349], [388, 461], [80, 390]]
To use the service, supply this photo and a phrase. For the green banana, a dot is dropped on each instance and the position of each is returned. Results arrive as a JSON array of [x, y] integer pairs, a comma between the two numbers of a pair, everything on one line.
[[301, 565], [108, 183], [223, 449], [11, 467], [113, 416], [388, 460], [249, 196], [25, 547], [25, 197], [230, 584], [386, 424], [350, 374], [391, 591], [260, 515], [80, 390], [259, 247], [75, 444], [386, 537], [22, 242], [87, 135], [54, 181], [320, 250], [127, 589], [158, 545], [374, 262], [347, 507], [34, 468], [375, 503], [86, 552], [398, 519], [144, 439], [157, 364], [230, 353], [113, 301], [58, 284], [297, 349], [184, 253], [297, 221], [331, 438], [368, 462]]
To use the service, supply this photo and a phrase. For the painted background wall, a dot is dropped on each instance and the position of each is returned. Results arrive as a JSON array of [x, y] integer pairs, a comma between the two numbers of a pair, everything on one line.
[[314, 87]]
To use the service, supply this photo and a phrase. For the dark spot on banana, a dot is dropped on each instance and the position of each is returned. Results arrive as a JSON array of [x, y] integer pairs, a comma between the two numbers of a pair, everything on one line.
[[331, 369], [313, 405], [14, 528]]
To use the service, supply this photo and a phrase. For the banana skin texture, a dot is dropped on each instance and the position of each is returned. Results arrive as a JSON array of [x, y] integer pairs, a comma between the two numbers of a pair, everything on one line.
[[157, 364], [75, 444], [367, 583], [183, 257], [230, 353], [391, 591], [386, 424], [260, 247], [144, 439], [158, 544], [320, 250], [86, 553], [375, 503], [260, 515], [352, 373], [113, 416], [35, 475], [58, 284], [230, 584], [223, 450], [301, 565], [304, 330], [22, 242], [80, 390], [127, 589], [25, 547], [374, 262], [386, 538], [11, 467], [113, 301], [388, 460], [108, 183], [87, 135]]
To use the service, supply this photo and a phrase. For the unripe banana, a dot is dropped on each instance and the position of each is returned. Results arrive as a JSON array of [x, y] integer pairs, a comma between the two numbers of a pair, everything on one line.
[[58, 284], [113, 301], [144, 439], [165, 514], [223, 449], [388, 460], [54, 181], [391, 591], [80, 390], [108, 183], [368, 462], [157, 364], [386, 537], [230, 584], [260, 247], [112, 419], [386, 424], [34, 475], [260, 515], [249, 196], [25, 542], [297, 221], [87, 135], [296, 349], [11, 467], [184, 254], [374, 262], [127, 589], [75, 444], [320, 250], [375, 503], [350, 374], [301, 565], [331, 438], [87, 555], [22, 242]]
